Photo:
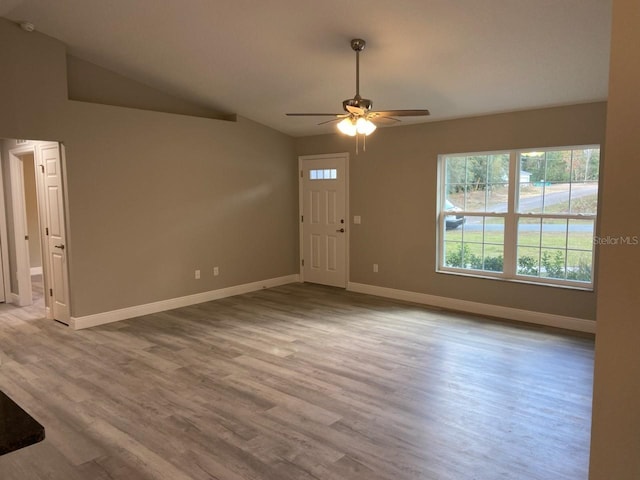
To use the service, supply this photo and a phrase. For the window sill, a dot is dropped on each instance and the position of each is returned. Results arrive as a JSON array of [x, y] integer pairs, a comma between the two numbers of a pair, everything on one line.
[[540, 283]]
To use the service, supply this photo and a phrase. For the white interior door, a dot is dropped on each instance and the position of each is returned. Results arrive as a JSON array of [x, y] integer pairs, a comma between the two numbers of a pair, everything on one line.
[[56, 243], [324, 223]]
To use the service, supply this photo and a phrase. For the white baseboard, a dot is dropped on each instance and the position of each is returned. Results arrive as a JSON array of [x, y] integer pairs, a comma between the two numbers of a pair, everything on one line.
[[528, 316], [138, 310], [35, 271]]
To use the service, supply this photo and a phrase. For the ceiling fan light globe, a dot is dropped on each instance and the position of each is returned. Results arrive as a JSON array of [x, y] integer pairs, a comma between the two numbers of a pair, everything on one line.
[[347, 127], [365, 127]]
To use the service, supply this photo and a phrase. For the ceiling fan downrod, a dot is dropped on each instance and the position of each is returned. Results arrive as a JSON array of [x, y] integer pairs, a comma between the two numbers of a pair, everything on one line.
[[357, 45]]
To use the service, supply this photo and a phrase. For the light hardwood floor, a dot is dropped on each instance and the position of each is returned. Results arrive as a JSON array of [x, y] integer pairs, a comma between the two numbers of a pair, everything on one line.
[[298, 382]]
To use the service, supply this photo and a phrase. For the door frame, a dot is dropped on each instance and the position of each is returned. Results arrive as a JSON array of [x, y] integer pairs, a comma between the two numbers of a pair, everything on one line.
[[301, 160], [23, 295], [23, 275]]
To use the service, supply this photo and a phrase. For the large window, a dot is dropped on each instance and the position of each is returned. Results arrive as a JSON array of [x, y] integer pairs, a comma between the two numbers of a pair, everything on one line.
[[525, 215]]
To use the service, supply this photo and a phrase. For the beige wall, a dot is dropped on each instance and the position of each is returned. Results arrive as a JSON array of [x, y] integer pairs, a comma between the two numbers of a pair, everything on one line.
[[90, 83], [615, 447], [153, 196], [393, 188]]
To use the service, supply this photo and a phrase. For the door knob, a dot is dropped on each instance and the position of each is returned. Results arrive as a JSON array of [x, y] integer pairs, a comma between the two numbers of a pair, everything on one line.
[[61, 247], [341, 230]]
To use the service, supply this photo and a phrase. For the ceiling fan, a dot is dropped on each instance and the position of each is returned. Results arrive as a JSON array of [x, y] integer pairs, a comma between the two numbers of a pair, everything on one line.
[[358, 116]]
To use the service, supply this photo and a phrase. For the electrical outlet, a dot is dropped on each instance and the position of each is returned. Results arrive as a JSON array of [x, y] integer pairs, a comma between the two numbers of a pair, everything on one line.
[[216, 271], [375, 268], [197, 274]]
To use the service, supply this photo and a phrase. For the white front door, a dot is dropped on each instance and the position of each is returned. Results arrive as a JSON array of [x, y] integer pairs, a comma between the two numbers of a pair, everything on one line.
[[323, 192], [58, 278]]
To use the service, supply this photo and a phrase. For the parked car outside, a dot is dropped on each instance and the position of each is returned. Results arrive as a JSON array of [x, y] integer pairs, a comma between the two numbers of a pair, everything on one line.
[[452, 221]]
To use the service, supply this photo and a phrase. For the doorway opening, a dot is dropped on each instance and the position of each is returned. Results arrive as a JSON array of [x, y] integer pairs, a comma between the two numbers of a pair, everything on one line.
[[33, 227]]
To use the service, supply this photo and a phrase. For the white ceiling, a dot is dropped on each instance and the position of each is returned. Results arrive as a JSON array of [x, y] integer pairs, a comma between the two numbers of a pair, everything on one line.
[[260, 59]]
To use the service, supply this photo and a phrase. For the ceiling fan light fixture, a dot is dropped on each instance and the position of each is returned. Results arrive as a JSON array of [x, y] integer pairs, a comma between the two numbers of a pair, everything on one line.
[[348, 127], [355, 121], [364, 126]]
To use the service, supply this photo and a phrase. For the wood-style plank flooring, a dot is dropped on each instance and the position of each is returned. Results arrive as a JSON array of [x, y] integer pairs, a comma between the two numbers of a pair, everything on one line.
[[298, 382]]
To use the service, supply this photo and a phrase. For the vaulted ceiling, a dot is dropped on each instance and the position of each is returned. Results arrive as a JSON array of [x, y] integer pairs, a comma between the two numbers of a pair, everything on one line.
[[262, 59]]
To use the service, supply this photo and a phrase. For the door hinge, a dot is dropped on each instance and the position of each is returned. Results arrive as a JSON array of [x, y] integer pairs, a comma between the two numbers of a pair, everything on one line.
[[303, 262], [42, 168], [301, 174], [51, 292], [46, 230], [301, 218], [26, 237]]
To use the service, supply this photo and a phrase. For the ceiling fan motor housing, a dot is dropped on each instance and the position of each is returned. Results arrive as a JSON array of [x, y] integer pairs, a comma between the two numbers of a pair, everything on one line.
[[357, 101]]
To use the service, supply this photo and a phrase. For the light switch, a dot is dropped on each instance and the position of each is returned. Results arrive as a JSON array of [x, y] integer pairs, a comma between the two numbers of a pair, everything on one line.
[[357, 220]]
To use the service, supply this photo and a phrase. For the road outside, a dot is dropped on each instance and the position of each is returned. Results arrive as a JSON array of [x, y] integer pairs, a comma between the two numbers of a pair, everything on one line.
[[555, 197]]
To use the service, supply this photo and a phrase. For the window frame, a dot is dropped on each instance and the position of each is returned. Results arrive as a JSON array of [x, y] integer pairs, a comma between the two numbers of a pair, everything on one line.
[[511, 220]]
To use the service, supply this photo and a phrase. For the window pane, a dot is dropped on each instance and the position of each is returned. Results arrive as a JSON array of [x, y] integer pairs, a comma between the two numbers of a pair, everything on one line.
[[532, 167], [584, 198], [498, 168], [580, 235], [478, 183], [559, 182], [478, 244], [323, 174], [554, 233], [453, 254], [585, 166], [494, 258], [529, 232], [456, 170], [579, 265], [552, 263], [564, 251], [475, 198], [556, 198], [530, 196], [497, 197], [493, 240], [455, 195], [528, 261], [558, 166]]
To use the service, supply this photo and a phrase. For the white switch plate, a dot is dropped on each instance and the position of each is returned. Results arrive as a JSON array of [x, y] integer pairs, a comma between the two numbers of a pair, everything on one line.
[[197, 274], [216, 271], [357, 220], [375, 268]]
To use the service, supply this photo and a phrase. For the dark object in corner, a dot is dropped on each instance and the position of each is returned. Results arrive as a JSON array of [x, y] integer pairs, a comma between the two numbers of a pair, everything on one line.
[[18, 429]]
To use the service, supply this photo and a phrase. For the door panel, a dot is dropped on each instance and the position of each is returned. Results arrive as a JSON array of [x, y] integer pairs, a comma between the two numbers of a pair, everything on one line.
[[323, 232], [56, 240]]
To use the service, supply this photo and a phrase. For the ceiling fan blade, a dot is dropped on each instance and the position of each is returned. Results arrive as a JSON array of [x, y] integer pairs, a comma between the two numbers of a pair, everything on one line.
[[385, 119], [403, 113], [355, 110], [332, 120], [312, 114]]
